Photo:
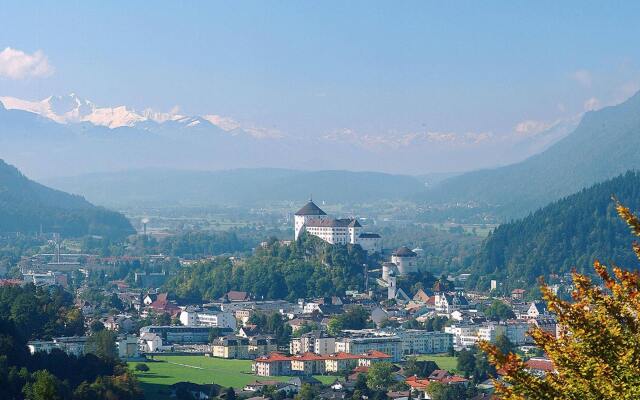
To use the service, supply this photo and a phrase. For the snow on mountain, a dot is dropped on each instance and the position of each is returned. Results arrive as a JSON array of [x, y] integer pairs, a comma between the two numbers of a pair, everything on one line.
[[72, 109]]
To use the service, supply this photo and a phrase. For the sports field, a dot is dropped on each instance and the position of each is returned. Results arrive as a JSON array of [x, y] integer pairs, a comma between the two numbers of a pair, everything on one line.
[[444, 362], [164, 371]]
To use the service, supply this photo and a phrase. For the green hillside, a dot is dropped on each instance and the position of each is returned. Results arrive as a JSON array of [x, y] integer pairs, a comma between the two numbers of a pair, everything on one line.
[[27, 206], [604, 145], [571, 232]]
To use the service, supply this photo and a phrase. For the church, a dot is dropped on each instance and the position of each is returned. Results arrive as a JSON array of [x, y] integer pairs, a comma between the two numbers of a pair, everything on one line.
[[311, 219]]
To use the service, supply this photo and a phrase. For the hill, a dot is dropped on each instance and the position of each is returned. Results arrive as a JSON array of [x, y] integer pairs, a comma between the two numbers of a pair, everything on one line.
[[571, 232], [602, 146], [27, 206], [306, 268], [238, 186]]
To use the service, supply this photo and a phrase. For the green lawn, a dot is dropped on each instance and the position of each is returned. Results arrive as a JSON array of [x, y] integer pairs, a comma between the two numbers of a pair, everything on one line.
[[444, 362], [167, 370]]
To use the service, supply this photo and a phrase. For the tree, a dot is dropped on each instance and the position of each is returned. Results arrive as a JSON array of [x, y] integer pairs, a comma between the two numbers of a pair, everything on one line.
[[466, 362], [441, 391], [103, 345], [45, 386], [498, 311], [504, 344], [597, 353], [96, 326], [380, 376], [142, 367], [420, 369], [306, 393], [230, 394]]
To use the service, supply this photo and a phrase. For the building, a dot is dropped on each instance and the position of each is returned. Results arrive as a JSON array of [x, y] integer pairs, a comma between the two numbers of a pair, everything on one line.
[[405, 260], [341, 362], [179, 334], [311, 219], [446, 303], [73, 345], [314, 342], [127, 347], [415, 341], [261, 345], [314, 364], [273, 364], [214, 319], [308, 364], [391, 345], [231, 347], [537, 309]]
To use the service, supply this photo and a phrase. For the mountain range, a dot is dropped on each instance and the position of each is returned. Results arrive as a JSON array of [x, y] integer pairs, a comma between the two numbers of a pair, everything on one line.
[[603, 145], [239, 186], [29, 207], [69, 135]]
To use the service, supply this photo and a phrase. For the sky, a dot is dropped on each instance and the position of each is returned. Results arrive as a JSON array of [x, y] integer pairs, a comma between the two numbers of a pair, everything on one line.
[[364, 68]]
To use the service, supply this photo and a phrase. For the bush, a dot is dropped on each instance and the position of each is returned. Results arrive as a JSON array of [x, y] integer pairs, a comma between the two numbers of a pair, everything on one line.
[[142, 367]]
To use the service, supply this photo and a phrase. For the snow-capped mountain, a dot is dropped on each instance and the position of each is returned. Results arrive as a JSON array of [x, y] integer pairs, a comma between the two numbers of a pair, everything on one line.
[[70, 109]]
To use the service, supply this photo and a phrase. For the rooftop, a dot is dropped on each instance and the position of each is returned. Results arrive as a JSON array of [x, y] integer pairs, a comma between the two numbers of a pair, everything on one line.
[[310, 209]]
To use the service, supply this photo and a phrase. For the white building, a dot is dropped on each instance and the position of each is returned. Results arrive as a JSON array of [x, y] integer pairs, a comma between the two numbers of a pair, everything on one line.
[[128, 347], [405, 260], [311, 219], [447, 303], [74, 345], [208, 318], [313, 342]]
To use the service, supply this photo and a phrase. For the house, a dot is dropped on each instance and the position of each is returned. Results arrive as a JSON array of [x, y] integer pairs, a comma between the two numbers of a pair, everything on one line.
[[261, 345], [198, 392], [340, 362], [127, 347], [249, 330], [234, 296], [308, 364], [273, 364], [371, 357], [518, 294], [230, 347], [119, 323], [421, 296], [537, 309], [539, 366], [315, 341], [150, 342], [162, 305], [446, 303]]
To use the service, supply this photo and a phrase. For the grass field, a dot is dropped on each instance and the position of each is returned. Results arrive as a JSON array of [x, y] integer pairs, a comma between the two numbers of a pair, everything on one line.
[[444, 362], [167, 370]]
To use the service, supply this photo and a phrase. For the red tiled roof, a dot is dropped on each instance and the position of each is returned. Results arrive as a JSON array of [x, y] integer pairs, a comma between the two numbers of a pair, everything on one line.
[[342, 356], [273, 357], [540, 364], [234, 295], [308, 356], [375, 354]]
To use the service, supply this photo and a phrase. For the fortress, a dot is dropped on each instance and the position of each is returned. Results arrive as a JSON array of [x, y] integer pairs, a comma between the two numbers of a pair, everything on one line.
[[311, 219]]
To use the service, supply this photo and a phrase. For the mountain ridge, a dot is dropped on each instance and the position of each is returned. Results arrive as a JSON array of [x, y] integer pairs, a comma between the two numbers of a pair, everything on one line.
[[567, 166], [27, 206]]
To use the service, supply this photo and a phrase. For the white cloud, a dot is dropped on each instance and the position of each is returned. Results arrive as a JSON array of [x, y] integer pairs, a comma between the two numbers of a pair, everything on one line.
[[531, 127], [591, 104], [583, 77], [16, 64]]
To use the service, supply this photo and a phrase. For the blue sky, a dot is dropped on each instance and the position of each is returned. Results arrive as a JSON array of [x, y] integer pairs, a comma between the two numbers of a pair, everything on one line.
[[311, 68]]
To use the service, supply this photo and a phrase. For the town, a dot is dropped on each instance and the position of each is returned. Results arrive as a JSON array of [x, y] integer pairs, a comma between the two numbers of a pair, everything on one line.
[[395, 336]]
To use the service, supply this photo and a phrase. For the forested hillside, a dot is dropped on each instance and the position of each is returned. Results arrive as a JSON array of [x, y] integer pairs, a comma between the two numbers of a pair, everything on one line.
[[306, 268], [27, 206], [584, 157], [571, 232]]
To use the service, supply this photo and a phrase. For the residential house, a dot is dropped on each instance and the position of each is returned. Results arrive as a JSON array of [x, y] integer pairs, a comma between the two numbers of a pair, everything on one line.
[[230, 347]]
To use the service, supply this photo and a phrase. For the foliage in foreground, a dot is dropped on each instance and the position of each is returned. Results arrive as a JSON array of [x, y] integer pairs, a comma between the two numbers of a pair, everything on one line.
[[597, 353]]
